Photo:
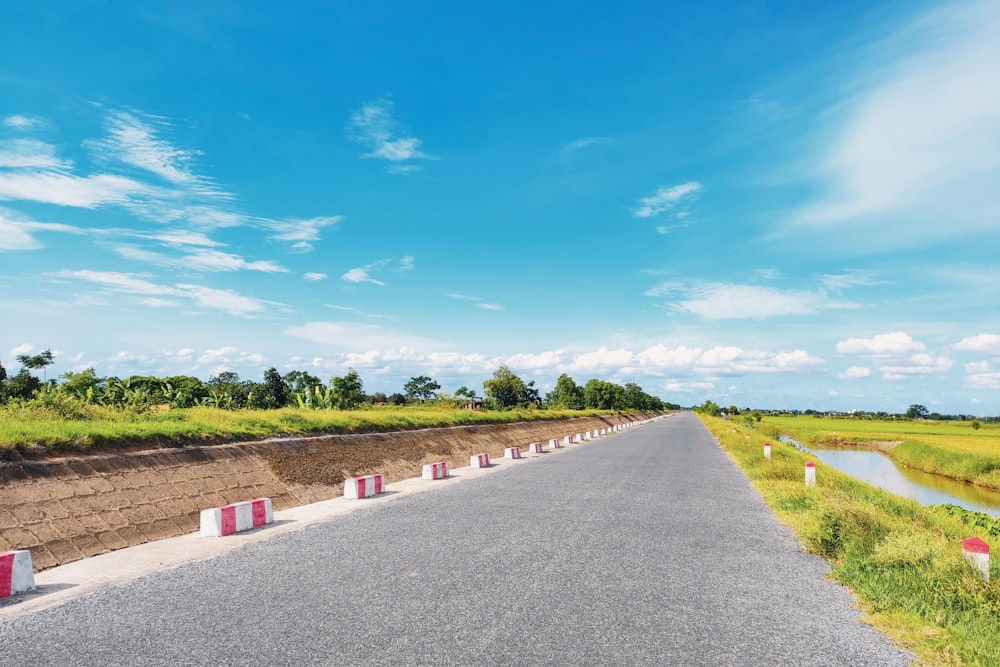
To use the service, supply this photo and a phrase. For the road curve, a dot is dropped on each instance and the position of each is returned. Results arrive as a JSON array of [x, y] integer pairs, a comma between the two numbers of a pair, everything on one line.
[[644, 548]]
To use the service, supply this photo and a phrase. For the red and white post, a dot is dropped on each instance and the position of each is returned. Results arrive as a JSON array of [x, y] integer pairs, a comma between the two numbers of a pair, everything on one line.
[[554, 443], [236, 518], [17, 574], [536, 448], [767, 450], [480, 460], [365, 486], [810, 473], [437, 470], [977, 553], [512, 453]]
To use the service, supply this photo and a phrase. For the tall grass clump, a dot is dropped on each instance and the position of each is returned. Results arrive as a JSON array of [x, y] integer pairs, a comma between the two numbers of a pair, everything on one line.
[[903, 561]]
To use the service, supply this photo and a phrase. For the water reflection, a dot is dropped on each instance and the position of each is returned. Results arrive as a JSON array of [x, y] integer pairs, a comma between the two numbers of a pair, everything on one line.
[[927, 489]]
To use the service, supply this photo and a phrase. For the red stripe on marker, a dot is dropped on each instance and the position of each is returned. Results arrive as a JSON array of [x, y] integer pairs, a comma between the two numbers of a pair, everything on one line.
[[259, 512], [228, 519], [6, 573], [974, 545]]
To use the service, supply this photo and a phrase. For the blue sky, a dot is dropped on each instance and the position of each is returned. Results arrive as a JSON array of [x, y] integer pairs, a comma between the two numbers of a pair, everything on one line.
[[767, 204]]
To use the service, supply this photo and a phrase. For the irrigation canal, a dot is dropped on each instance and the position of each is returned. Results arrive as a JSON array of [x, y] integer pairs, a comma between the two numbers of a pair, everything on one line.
[[879, 470]]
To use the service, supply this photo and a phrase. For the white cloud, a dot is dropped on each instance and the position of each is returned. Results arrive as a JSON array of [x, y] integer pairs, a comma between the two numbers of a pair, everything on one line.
[[855, 372], [347, 309], [30, 154], [842, 281], [727, 360], [206, 297], [201, 260], [916, 364], [664, 199], [890, 344], [363, 274], [569, 150], [980, 375], [465, 297], [23, 348], [490, 306], [679, 387], [302, 234], [19, 234], [312, 276], [67, 190], [20, 122], [119, 282], [601, 358], [182, 237], [221, 299], [530, 361], [984, 342], [137, 143], [157, 302], [661, 357], [896, 355], [921, 144], [374, 126], [718, 301], [360, 275]]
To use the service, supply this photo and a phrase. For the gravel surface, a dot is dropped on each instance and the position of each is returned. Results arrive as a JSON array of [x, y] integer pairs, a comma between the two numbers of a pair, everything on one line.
[[644, 548]]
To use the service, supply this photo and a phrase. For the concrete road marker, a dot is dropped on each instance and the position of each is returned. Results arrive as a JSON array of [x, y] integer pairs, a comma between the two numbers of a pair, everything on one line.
[[767, 450], [554, 443], [512, 453], [536, 448], [236, 518], [437, 470], [977, 553], [480, 460], [17, 574], [364, 486], [810, 474]]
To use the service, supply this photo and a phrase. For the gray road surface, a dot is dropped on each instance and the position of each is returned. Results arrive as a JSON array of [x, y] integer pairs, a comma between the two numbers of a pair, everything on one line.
[[644, 548]]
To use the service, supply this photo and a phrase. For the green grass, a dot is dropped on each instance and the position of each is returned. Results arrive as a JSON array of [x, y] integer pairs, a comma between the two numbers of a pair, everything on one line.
[[952, 449], [80, 428], [903, 561]]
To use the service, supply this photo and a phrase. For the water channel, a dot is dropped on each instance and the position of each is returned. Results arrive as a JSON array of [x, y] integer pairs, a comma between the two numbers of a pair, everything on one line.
[[879, 470]]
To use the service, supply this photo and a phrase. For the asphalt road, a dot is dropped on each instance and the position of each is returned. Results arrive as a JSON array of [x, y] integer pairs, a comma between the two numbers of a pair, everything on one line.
[[644, 548]]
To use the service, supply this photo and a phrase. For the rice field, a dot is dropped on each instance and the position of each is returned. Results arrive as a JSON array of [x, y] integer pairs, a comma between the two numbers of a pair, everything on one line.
[[954, 449]]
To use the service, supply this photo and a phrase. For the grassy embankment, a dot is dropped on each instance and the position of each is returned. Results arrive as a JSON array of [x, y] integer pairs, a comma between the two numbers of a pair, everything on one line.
[[952, 449], [902, 560], [33, 432]]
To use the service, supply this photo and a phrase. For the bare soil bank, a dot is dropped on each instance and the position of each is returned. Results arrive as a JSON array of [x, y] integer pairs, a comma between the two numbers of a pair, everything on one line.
[[71, 508]]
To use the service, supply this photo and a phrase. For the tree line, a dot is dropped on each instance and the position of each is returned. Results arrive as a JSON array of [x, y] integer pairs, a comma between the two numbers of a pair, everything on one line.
[[503, 390]]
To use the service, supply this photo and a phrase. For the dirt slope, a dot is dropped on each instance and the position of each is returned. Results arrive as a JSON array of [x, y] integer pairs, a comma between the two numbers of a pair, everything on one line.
[[71, 508]]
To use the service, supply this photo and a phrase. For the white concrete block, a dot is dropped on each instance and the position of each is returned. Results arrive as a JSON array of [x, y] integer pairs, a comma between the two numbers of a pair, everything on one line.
[[365, 486], [437, 470], [17, 574]]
